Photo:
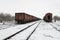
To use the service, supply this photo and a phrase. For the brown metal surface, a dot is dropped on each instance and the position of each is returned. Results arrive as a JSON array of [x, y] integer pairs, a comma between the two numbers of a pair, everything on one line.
[[24, 18], [48, 17]]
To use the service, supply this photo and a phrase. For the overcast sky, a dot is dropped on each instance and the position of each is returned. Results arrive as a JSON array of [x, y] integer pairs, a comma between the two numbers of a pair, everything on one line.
[[33, 7]]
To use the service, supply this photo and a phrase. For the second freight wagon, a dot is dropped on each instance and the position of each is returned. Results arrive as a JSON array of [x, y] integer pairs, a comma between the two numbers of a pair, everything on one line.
[[48, 17]]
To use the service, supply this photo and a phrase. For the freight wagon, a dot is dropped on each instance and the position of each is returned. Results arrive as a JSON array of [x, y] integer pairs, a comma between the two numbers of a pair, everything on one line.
[[48, 17], [22, 18]]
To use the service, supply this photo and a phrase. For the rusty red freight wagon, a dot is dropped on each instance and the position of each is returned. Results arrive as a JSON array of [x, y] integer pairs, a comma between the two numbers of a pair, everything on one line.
[[22, 18], [48, 17]]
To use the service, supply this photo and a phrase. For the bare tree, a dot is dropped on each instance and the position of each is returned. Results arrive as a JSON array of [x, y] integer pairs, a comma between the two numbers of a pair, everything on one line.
[[6, 17]]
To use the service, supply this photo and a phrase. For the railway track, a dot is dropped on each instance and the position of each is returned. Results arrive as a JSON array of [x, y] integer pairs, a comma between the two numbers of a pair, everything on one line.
[[32, 31], [55, 27], [57, 24], [9, 37]]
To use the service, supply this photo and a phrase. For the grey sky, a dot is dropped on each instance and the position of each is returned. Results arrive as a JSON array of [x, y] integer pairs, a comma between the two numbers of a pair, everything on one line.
[[34, 7]]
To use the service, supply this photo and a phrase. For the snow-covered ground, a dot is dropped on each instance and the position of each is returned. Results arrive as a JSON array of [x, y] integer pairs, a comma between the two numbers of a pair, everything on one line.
[[5, 25], [9, 31], [44, 31]]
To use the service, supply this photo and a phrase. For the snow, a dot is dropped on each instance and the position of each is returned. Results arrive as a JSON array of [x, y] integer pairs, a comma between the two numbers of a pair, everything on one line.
[[44, 31], [5, 25], [57, 23], [9, 31], [25, 33]]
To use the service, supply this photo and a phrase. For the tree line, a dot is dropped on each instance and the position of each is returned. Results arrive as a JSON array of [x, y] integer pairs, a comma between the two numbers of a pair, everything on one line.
[[6, 17]]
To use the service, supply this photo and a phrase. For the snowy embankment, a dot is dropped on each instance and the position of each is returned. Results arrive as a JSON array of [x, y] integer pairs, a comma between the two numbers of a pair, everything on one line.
[[5, 25]]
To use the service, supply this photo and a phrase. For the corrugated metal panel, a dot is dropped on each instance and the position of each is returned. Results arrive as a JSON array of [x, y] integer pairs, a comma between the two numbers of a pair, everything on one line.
[[24, 18]]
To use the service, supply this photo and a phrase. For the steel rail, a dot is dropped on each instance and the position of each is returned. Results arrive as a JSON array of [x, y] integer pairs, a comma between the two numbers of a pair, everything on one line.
[[18, 32]]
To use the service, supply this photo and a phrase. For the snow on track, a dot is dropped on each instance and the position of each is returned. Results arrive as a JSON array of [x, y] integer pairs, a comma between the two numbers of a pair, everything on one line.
[[45, 32], [9, 31], [23, 35], [56, 26], [32, 32]]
